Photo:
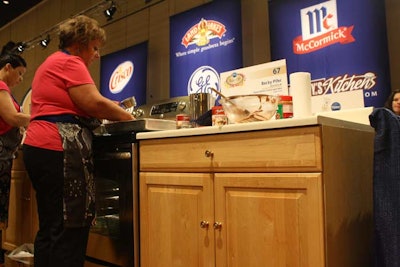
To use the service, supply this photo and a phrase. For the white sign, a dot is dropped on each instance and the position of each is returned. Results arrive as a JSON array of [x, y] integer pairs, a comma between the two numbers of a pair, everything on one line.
[[268, 78], [120, 77]]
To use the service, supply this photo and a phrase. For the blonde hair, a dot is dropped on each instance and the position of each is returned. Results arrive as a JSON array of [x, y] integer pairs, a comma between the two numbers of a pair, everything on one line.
[[80, 30]]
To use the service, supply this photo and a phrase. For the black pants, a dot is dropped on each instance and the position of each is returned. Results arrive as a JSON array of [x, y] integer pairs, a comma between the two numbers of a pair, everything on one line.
[[54, 244]]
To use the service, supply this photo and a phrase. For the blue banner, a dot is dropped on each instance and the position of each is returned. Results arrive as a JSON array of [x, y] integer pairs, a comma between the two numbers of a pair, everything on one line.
[[124, 74], [204, 42], [342, 43]]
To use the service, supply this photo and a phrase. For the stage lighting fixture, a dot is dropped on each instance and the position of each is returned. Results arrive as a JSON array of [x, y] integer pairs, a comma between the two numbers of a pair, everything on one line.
[[109, 12], [20, 47], [45, 42]]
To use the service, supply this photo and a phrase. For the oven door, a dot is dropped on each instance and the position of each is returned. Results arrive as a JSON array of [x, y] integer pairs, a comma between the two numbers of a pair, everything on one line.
[[114, 237]]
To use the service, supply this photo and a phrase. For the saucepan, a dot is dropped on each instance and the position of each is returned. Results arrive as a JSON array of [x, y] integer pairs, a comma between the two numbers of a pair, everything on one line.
[[128, 103]]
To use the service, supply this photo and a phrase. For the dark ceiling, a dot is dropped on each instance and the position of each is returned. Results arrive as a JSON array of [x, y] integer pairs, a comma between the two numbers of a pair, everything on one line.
[[14, 9]]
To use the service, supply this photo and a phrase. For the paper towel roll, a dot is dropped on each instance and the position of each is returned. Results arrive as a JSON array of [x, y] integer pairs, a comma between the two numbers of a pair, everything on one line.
[[300, 90]]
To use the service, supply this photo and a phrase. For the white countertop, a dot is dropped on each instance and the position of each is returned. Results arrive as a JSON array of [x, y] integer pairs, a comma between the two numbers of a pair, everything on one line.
[[354, 118]]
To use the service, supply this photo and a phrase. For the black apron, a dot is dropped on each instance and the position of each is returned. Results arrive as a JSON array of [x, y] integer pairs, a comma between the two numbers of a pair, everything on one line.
[[9, 143], [79, 188]]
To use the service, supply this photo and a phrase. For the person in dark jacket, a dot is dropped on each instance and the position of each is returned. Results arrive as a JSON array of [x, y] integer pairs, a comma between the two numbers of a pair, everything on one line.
[[393, 102]]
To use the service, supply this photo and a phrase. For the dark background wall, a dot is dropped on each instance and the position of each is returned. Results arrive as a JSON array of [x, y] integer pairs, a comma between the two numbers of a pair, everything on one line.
[[136, 22]]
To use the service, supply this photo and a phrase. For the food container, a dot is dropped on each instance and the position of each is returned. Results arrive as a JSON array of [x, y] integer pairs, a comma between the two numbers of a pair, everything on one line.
[[249, 108], [182, 121], [219, 117], [285, 107]]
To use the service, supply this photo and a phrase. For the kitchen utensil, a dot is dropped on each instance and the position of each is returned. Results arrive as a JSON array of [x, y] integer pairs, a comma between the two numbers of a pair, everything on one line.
[[247, 108], [241, 113], [200, 103], [227, 100]]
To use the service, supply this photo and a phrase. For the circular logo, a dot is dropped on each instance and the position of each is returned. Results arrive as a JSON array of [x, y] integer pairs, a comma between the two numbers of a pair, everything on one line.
[[120, 77], [336, 106], [202, 79]]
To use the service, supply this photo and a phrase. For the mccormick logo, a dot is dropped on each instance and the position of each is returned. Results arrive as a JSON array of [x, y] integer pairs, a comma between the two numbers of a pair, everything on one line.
[[120, 77], [201, 33], [319, 27]]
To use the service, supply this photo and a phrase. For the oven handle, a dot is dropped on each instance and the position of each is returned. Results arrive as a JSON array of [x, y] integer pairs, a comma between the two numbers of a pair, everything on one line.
[[115, 155]]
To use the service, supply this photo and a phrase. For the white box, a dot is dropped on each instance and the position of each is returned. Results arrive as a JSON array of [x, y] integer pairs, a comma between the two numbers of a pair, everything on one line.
[[268, 78]]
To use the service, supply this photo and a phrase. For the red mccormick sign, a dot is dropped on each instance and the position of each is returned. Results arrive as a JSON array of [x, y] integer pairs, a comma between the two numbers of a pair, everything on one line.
[[346, 52], [319, 27]]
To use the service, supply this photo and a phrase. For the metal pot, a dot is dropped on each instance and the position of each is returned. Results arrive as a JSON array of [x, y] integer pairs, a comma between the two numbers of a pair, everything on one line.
[[128, 103], [200, 103]]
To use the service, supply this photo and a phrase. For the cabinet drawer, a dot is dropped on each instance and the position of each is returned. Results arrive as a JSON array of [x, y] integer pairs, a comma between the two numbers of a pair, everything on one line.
[[291, 150]]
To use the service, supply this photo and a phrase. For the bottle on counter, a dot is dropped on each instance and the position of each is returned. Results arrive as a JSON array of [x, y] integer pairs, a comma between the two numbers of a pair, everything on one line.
[[285, 107], [182, 121], [219, 117]]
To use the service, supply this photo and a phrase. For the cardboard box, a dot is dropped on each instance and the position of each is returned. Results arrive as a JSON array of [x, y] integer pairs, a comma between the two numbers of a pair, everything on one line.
[[268, 78]]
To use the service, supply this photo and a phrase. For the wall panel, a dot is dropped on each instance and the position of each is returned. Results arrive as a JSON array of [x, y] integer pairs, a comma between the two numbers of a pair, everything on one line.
[[393, 22], [137, 29], [255, 32], [178, 6], [158, 63], [137, 22]]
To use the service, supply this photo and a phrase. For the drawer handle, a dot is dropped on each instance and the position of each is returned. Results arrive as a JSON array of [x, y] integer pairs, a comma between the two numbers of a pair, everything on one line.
[[217, 226], [209, 154], [204, 224]]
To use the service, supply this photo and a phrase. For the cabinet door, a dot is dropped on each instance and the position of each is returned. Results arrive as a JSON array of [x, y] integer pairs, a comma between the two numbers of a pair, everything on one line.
[[21, 225], [172, 207], [269, 220]]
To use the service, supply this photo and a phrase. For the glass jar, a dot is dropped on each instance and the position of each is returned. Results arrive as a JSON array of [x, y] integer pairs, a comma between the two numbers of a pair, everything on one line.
[[285, 107]]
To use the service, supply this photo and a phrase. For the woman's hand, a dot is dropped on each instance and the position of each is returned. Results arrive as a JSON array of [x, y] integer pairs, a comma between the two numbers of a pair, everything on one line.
[[89, 99]]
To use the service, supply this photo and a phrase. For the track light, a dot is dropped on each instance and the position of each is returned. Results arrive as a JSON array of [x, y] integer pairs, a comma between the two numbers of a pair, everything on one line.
[[45, 42], [109, 12], [20, 47]]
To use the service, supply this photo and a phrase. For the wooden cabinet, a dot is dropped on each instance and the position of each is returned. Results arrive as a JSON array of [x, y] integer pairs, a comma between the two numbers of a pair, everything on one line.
[[23, 220], [177, 203], [270, 219], [285, 197]]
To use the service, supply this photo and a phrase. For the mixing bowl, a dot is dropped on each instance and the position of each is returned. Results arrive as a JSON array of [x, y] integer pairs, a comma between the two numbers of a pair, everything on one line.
[[247, 108]]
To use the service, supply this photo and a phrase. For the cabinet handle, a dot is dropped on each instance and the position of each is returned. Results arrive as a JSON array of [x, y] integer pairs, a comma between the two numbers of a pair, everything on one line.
[[217, 226], [209, 154], [204, 224]]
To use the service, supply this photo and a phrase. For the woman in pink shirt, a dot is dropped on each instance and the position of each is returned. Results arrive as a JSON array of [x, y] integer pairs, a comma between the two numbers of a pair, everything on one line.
[[58, 144], [12, 68]]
